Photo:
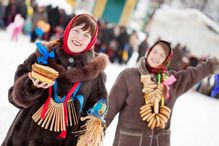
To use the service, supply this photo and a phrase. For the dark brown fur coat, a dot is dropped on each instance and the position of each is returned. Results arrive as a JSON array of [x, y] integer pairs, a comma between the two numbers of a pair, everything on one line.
[[87, 67]]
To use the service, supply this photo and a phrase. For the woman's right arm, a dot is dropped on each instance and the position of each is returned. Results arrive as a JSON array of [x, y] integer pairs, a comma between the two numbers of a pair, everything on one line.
[[23, 93]]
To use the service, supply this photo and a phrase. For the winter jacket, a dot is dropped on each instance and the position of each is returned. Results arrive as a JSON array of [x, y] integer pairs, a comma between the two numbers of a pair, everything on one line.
[[126, 98], [86, 67]]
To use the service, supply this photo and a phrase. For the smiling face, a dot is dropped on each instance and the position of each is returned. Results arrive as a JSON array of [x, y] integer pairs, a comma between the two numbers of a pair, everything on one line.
[[78, 39], [157, 56]]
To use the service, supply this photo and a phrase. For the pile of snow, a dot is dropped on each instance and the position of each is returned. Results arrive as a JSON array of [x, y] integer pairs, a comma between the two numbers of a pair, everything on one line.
[[189, 27]]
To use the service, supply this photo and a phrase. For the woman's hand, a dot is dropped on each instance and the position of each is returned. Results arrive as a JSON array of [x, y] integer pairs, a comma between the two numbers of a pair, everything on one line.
[[38, 83]]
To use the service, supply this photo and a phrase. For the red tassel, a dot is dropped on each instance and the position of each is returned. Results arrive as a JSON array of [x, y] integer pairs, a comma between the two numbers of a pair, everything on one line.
[[46, 104], [65, 114], [62, 135], [66, 100]]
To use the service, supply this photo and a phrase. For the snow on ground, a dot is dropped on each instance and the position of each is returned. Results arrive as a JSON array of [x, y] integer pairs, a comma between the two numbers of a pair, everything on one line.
[[194, 122]]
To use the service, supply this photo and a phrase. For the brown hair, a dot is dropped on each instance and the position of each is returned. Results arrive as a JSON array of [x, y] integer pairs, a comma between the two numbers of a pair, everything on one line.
[[89, 22]]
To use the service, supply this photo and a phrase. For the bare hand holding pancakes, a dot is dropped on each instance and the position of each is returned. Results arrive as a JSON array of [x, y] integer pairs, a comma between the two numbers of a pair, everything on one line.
[[42, 76]]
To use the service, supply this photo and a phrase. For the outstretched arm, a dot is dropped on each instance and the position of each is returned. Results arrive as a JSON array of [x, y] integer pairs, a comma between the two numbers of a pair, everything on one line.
[[186, 79]]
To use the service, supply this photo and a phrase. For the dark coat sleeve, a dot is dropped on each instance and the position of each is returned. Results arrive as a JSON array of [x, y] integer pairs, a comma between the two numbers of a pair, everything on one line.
[[98, 91], [186, 79], [23, 93], [117, 97]]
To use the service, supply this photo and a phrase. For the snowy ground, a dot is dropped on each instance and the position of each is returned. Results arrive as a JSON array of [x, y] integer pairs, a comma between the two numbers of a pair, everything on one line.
[[194, 123]]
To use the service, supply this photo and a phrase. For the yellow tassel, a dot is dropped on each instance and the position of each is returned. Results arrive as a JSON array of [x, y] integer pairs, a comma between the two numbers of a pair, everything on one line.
[[162, 101], [92, 133], [54, 117], [146, 99]]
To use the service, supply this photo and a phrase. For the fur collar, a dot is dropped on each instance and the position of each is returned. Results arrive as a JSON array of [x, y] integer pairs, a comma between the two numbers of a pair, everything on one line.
[[89, 66], [79, 59]]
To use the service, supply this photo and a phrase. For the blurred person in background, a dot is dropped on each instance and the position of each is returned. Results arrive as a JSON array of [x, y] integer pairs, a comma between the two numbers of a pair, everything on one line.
[[53, 19], [133, 43], [133, 40], [176, 63], [10, 12], [143, 47], [2, 12], [22, 8], [111, 50], [215, 88], [16, 27], [39, 14], [123, 45]]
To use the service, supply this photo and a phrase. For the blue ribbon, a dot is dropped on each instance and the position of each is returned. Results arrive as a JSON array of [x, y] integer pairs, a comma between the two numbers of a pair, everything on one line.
[[79, 97], [39, 32], [99, 110], [45, 53], [56, 98], [126, 47], [215, 89]]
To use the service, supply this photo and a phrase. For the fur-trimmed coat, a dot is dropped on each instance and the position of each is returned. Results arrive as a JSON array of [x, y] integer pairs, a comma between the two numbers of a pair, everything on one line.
[[86, 67], [126, 98]]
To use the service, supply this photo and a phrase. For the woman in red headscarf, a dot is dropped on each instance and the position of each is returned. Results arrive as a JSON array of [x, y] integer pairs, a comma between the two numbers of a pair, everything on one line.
[[56, 113], [144, 97]]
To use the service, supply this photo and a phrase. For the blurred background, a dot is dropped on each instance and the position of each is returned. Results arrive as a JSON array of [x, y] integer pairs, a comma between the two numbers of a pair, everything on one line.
[[127, 28]]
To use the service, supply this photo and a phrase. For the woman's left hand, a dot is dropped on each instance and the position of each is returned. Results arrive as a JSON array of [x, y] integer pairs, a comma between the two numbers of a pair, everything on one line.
[[38, 83]]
